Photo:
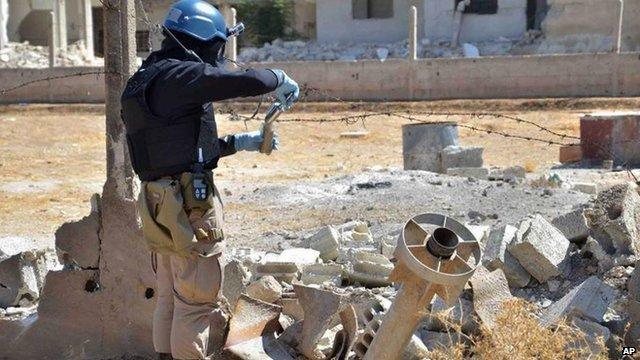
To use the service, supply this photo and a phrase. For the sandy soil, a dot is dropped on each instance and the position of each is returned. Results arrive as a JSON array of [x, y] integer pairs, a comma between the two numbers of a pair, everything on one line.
[[52, 157]]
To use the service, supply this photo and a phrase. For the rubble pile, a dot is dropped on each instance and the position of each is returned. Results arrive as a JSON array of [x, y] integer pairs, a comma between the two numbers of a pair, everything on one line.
[[577, 269], [25, 55], [298, 50]]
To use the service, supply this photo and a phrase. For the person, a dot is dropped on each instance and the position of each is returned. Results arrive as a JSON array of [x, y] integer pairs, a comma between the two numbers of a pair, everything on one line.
[[174, 146]]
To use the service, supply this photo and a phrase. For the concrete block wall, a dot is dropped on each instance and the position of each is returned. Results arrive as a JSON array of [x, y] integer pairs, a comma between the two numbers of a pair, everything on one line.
[[579, 75]]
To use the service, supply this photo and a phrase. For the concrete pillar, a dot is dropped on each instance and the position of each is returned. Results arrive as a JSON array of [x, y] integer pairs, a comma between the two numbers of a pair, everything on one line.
[[4, 19], [86, 26], [413, 33], [53, 41], [60, 11]]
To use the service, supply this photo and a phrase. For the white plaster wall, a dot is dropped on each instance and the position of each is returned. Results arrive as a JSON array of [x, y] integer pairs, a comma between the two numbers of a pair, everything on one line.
[[509, 22], [335, 23]]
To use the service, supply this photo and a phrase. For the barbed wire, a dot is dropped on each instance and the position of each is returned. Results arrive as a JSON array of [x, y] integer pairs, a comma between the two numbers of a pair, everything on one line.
[[309, 92]]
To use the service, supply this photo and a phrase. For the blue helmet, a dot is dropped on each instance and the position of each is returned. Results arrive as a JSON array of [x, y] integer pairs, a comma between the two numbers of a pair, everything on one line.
[[197, 19]]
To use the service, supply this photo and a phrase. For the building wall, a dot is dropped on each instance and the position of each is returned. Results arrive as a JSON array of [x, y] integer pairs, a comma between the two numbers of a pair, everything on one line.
[[580, 75], [592, 24], [335, 23], [509, 22]]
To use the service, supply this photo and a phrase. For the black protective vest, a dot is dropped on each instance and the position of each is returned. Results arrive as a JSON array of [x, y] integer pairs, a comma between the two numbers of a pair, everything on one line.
[[163, 146]]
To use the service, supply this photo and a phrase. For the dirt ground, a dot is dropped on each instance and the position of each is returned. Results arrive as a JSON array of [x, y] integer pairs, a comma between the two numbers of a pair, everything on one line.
[[52, 157]]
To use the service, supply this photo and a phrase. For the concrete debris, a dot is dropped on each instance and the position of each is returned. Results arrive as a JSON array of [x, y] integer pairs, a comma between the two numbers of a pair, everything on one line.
[[460, 157], [540, 248], [616, 216], [573, 225], [388, 246], [359, 233], [588, 300], [252, 319], [78, 242], [496, 256], [320, 274], [22, 276], [480, 232], [490, 292], [267, 289], [24, 55], [479, 173], [298, 256], [371, 270], [321, 308], [235, 281], [285, 272], [326, 242]]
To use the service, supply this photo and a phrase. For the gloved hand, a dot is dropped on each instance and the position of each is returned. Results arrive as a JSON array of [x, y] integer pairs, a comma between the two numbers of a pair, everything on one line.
[[286, 86], [251, 141]]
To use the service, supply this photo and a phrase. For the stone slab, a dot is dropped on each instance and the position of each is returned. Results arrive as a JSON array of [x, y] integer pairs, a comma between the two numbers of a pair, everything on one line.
[[540, 248], [588, 300], [490, 292], [460, 157], [327, 242]]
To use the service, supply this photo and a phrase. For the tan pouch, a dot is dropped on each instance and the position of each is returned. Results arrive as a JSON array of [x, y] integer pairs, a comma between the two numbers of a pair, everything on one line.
[[175, 223]]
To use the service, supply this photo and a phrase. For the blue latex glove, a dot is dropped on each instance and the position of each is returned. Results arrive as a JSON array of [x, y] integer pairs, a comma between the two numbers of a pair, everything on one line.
[[251, 141], [286, 87]]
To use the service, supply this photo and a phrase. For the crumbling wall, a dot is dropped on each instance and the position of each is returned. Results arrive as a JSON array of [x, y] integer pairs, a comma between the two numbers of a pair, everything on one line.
[[509, 22]]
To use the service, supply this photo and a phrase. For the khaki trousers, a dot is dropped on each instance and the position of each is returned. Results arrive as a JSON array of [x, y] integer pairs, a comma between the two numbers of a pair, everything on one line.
[[188, 323]]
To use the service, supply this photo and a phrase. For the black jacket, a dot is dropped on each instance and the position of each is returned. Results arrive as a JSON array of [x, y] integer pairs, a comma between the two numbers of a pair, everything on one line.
[[166, 102]]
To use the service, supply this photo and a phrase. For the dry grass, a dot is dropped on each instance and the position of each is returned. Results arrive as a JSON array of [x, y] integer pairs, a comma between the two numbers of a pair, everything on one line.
[[518, 335]]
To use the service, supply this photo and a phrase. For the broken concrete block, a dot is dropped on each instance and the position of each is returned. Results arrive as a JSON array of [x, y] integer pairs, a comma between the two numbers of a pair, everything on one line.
[[588, 300], [358, 233], [235, 282], [462, 313], [22, 276], [326, 242], [285, 272], [371, 270], [496, 256], [540, 248], [267, 289], [572, 225], [584, 187], [490, 292], [78, 242], [472, 172], [460, 157], [319, 274], [617, 215]]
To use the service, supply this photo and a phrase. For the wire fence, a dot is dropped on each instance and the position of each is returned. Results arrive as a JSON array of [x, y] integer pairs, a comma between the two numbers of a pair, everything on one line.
[[554, 138]]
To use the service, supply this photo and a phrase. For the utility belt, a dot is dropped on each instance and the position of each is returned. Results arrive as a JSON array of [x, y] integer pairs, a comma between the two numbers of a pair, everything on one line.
[[182, 215]]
